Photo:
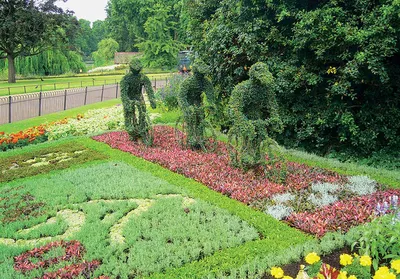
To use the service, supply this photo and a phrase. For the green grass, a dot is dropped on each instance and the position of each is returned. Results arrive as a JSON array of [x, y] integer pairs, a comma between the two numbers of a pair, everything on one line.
[[36, 121], [59, 83]]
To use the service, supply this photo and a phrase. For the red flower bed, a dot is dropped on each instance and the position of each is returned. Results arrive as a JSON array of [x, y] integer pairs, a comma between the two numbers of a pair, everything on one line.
[[341, 215], [74, 250], [213, 168]]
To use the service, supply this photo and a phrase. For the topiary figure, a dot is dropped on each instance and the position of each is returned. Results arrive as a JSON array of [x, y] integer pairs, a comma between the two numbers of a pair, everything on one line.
[[254, 111], [137, 122], [190, 100]]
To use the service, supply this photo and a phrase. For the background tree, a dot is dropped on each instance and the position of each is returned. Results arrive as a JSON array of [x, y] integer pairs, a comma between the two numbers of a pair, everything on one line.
[[106, 51], [85, 40], [99, 31], [335, 63], [30, 27], [159, 47], [133, 21]]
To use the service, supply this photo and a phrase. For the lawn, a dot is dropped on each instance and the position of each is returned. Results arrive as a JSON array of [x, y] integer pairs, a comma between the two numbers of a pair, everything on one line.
[[88, 202], [50, 84]]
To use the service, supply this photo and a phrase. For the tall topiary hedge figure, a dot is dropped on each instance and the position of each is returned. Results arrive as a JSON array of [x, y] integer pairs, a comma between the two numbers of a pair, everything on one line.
[[254, 111], [190, 100], [137, 122]]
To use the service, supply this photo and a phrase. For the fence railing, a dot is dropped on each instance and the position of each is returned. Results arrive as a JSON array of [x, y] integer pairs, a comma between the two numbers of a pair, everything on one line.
[[24, 106], [44, 86]]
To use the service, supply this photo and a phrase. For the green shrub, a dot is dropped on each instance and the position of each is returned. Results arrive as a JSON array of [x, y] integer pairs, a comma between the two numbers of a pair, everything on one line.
[[168, 95]]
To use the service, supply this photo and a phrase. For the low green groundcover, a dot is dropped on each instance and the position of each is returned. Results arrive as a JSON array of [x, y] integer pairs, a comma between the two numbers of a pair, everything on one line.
[[45, 160], [125, 222]]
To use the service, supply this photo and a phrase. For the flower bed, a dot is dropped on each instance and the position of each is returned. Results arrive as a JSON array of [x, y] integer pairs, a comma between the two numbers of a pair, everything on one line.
[[93, 121], [73, 250], [213, 169]]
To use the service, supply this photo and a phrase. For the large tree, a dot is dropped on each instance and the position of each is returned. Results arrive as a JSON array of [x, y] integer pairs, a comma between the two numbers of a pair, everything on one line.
[[127, 20], [29, 27], [335, 64]]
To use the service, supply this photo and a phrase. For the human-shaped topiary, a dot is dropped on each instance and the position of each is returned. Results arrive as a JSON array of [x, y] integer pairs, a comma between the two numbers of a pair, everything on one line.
[[254, 111], [137, 122], [190, 100]]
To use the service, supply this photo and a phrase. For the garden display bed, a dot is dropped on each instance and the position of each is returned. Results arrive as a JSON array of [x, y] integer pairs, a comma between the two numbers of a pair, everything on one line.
[[339, 203]]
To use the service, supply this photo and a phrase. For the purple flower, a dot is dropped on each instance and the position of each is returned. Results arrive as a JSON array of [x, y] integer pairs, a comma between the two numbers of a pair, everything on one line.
[[380, 209], [393, 201]]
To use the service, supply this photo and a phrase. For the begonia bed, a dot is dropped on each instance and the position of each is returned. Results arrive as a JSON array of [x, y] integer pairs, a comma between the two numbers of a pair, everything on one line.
[[213, 169]]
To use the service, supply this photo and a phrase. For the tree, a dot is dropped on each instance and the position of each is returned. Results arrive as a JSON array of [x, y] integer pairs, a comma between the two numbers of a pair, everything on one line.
[[336, 66], [29, 27], [85, 38], [159, 47], [105, 52], [99, 31], [126, 20]]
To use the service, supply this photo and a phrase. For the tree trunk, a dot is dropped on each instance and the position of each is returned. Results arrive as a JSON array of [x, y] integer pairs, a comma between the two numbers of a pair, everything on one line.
[[11, 69]]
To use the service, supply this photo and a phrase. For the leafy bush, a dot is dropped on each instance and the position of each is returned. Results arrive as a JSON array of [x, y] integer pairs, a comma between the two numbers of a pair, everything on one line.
[[168, 95], [335, 63], [381, 239]]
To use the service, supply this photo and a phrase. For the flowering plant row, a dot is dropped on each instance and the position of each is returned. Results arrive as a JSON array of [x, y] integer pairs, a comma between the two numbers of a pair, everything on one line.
[[214, 170], [23, 138], [73, 251], [354, 266], [93, 121]]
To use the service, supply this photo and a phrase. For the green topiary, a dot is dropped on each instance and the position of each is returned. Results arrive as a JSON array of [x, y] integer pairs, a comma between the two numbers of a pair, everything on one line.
[[190, 100], [137, 122], [253, 110]]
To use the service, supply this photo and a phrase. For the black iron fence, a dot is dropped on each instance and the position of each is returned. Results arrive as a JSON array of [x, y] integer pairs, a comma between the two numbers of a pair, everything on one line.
[[19, 107]]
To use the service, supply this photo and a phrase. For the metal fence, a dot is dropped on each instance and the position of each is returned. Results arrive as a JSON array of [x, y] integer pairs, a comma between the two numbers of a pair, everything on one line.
[[19, 107]]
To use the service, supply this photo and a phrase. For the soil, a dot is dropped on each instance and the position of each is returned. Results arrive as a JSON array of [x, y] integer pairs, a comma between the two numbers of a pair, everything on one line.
[[332, 259]]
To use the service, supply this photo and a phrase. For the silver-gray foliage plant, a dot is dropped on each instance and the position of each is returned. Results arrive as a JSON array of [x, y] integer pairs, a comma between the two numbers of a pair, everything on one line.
[[283, 198], [325, 188], [279, 211], [361, 185], [323, 199]]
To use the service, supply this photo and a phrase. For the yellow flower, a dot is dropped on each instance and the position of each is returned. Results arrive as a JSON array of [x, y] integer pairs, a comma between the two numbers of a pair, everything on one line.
[[287, 277], [312, 258], [352, 277], [277, 272], [342, 275], [365, 260], [384, 273], [346, 259], [396, 266]]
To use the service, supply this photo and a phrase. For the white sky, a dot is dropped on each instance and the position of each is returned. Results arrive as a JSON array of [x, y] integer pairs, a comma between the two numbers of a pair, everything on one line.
[[91, 10]]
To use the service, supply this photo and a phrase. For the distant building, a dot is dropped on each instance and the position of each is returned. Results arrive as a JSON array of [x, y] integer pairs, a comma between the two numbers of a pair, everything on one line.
[[124, 57]]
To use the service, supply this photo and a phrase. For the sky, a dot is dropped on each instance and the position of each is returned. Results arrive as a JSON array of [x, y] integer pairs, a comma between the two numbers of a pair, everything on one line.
[[91, 10]]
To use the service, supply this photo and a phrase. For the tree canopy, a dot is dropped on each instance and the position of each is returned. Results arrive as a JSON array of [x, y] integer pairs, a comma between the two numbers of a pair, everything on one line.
[[335, 63], [29, 27]]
